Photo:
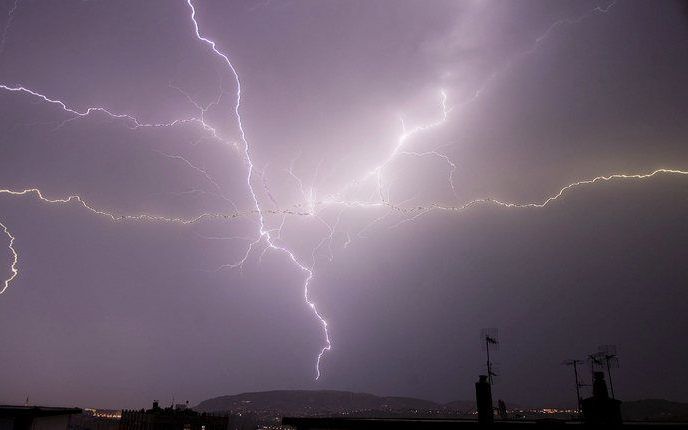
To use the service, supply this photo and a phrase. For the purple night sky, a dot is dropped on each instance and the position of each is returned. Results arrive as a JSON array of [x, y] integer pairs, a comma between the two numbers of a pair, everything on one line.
[[409, 155]]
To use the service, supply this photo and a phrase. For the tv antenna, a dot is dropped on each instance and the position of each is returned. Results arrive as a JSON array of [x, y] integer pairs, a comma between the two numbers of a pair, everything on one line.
[[575, 363], [607, 354], [489, 338], [595, 360]]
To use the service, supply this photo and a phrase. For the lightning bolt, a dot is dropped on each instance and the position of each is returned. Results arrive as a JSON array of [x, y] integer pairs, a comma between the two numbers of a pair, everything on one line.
[[268, 239], [437, 154], [415, 212], [571, 186], [114, 217], [80, 114], [15, 259], [570, 21], [8, 24], [419, 210], [534, 47], [205, 174], [148, 217], [399, 148], [264, 234], [406, 135]]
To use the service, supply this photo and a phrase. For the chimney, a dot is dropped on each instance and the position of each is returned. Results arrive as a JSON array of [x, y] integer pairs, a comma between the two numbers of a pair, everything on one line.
[[483, 397], [600, 409], [599, 386]]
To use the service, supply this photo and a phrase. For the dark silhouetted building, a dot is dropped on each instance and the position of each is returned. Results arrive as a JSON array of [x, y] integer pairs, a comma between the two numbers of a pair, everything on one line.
[[600, 408], [483, 399], [170, 418], [35, 417]]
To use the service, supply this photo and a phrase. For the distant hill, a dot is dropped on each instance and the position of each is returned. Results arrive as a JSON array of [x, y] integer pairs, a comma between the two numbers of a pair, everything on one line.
[[654, 410], [304, 402], [330, 402]]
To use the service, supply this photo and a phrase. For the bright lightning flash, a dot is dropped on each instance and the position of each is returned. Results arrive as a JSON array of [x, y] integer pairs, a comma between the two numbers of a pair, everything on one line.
[[263, 232], [269, 239], [15, 259]]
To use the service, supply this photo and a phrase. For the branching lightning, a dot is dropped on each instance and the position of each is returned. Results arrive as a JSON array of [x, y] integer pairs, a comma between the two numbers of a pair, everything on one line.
[[219, 193], [269, 239], [263, 232], [80, 114]]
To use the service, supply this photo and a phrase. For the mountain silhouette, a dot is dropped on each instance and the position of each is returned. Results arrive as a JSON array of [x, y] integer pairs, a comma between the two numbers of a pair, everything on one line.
[[307, 402], [331, 402]]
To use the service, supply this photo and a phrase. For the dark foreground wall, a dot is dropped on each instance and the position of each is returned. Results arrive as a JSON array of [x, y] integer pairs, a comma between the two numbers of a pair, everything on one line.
[[441, 424]]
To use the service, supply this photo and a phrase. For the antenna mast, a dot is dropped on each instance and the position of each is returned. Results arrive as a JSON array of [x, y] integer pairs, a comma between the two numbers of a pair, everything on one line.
[[574, 363], [607, 353], [489, 337]]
